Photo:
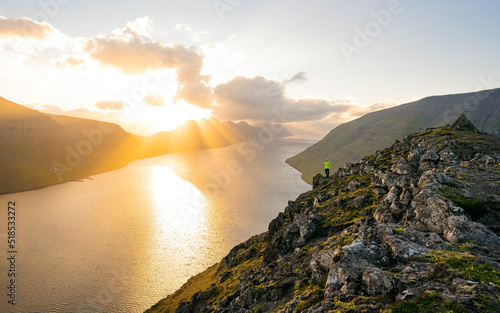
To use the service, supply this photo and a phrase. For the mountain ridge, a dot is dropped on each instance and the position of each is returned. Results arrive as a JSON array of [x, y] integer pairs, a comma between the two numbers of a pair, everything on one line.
[[348, 142]]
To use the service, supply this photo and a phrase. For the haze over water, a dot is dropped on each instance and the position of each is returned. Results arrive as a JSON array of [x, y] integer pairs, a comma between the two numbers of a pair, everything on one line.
[[127, 238]]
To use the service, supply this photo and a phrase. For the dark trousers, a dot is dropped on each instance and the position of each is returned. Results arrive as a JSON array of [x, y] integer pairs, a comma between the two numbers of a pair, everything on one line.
[[327, 172]]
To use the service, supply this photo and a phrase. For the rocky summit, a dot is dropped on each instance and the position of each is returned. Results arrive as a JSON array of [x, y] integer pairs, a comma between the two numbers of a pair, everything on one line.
[[412, 228]]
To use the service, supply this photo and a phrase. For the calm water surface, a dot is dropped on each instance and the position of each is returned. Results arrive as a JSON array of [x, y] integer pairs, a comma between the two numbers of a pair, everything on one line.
[[125, 239]]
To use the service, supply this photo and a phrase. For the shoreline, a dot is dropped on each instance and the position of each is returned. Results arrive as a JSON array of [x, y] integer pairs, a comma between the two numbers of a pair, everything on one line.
[[82, 178]]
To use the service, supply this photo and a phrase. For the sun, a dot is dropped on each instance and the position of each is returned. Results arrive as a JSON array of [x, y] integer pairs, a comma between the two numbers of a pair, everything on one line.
[[148, 120]]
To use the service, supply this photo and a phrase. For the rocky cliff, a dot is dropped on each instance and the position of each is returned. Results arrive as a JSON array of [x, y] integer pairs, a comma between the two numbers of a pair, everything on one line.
[[412, 228], [350, 141]]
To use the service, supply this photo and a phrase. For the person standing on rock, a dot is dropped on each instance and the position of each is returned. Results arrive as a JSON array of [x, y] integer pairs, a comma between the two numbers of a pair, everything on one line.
[[327, 168]]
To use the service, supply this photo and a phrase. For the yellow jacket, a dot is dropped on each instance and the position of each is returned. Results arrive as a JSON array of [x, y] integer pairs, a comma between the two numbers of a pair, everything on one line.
[[327, 165]]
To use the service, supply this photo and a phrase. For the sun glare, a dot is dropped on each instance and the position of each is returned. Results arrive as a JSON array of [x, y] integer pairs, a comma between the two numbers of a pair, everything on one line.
[[150, 120], [184, 209]]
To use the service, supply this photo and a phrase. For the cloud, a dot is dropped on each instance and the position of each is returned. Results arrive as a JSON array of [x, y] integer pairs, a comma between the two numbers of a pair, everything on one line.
[[298, 78], [116, 105], [154, 100], [135, 53], [263, 100], [24, 27], [69, 62], [260, 99]]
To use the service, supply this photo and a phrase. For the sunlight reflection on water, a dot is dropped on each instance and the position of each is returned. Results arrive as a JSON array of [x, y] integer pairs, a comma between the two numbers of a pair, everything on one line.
[[127, 238]]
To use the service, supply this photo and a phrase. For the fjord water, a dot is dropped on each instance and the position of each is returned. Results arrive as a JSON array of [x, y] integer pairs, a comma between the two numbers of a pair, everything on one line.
[[127, 238]]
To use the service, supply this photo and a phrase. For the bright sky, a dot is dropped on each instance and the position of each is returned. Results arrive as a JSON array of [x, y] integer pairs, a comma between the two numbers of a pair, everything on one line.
[[150, 65]]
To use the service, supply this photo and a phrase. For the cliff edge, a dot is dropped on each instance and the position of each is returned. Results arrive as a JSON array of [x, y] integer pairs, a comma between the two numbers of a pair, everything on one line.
[[412, 228]]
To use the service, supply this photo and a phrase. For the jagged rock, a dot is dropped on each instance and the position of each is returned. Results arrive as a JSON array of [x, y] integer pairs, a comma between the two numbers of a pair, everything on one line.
[[347, 267], [464, 124], [401, 166], [366, 168], [379, 191], [360, 201], [404, 249], [306, 224], [393, 194], [431, 180], [319, 180], [353, 185], [432, 211], [384, 180], [448, 158], [377, 282], [463, 230], [414, 156], [318, 273], [428, 160]]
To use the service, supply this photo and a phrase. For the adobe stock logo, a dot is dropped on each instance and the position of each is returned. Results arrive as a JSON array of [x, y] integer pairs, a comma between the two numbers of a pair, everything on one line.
[[48, 9], [224, 6], [75, 155], [364, 36]]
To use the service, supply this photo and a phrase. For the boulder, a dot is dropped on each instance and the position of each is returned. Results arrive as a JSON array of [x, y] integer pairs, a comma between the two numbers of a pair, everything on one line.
[[307, 224], [401, 166]]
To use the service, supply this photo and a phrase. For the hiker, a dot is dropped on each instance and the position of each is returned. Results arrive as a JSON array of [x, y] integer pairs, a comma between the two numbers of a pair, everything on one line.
[[327, 168]]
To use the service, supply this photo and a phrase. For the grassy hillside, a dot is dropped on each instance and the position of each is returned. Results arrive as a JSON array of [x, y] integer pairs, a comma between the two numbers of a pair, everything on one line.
[[348, 142], [38, 149]]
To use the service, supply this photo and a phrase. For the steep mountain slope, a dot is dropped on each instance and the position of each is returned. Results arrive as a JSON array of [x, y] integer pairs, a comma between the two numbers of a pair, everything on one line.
[[412, 228], [350, 141], [39, 149]]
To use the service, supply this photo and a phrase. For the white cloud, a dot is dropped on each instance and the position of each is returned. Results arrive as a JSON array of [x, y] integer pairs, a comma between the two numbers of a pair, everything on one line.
[[24, 27], [68, 61], [154, 100], [259, 99], [135, 53], [297, 78], [115, 105]]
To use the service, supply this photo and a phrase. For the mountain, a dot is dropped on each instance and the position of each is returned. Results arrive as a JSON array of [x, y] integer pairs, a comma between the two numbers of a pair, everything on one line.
[[207, 134], [202, 134], [411, 228], [348, 142], [38, 149]]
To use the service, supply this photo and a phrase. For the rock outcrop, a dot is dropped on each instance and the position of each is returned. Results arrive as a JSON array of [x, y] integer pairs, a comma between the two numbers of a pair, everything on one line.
[[464, 124], [414, 227]]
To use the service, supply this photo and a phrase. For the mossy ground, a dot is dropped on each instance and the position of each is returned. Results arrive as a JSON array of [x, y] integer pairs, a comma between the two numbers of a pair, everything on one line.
[[464, 264], [195, 284], [427, 302]]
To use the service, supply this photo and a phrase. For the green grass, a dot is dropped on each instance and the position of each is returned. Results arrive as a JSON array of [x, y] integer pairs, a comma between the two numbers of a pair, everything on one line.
[[476, 208], [450, 184], [428, 302], [195, 284], [315, 295], [464, 264]]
